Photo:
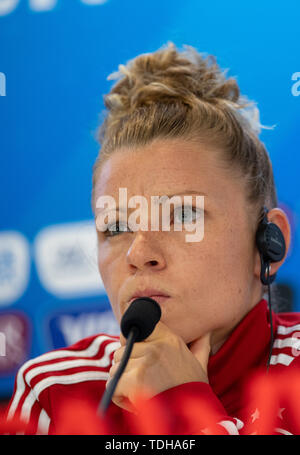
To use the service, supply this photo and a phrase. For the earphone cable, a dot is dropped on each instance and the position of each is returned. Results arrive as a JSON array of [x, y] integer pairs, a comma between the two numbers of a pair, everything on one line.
[[271, 319]]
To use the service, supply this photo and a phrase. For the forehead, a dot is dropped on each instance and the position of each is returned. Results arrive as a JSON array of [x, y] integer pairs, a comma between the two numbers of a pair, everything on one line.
[[166, 167]]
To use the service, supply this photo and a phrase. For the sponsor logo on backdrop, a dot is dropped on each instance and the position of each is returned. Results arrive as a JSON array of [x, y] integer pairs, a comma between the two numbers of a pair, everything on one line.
[[14, 266], [296, 85], [2, 344], [14, 341], [8, 6], [2, 84], [66, 260], [69, 327]]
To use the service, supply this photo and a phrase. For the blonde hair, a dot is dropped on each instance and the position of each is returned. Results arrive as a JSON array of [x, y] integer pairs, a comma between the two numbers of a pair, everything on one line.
[[183, 94]]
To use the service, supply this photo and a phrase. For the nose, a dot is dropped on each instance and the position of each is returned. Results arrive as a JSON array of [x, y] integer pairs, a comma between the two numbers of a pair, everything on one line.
[[145, 252]]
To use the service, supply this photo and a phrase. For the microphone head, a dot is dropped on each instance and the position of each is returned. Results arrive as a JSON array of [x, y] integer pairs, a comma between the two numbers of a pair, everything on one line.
[[143, 313]]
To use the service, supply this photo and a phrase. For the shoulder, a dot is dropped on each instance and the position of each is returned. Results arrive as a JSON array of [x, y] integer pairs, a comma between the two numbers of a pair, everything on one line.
[[286, 347], [94, 351], [98, 348], [87, 360]]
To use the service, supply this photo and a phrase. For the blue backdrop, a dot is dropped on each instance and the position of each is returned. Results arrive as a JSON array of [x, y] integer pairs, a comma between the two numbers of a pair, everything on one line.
[[54, 60]]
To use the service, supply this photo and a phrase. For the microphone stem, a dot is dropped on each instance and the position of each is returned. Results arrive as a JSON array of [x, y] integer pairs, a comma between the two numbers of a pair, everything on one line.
[[134, 331]]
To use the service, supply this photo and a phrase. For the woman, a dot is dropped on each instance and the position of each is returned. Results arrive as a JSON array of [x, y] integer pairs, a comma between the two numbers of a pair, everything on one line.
[[176, 126]]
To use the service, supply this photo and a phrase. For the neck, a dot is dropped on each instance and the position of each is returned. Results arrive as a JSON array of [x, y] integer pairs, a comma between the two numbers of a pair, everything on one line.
[[219, 339]]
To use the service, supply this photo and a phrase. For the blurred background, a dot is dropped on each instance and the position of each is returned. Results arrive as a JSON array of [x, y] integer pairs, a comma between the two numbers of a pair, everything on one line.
[[55, 56]]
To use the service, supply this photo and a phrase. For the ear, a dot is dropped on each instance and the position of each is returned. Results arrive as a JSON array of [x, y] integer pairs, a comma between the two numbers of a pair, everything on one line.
[[278, 217]]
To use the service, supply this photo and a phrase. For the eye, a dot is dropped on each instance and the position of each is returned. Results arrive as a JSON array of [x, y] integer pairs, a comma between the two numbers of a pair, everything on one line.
[[115, 229], [186, 214]]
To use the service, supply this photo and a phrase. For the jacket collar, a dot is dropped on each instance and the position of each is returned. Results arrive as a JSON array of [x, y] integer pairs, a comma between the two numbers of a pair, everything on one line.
[[246, 348]]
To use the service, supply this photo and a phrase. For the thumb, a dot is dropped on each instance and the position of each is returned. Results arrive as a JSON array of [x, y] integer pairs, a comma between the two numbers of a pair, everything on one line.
[[160, 330], [201, 348]]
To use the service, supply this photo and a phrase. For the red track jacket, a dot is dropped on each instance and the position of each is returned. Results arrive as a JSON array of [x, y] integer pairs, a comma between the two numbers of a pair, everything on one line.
[[81, 371]]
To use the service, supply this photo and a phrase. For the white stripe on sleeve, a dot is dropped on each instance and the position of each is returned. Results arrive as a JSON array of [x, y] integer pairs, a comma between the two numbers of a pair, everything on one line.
[[281, 430], [282, 330], [43, 423], [229, 426], [64, 365], [287, 343], [70, 379], [284, 359], [91, 351]]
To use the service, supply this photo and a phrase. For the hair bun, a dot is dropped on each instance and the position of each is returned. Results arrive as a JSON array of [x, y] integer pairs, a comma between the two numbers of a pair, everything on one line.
[[168, 76]]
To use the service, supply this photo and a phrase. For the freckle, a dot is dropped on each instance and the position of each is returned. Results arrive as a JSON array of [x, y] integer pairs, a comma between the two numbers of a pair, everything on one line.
[[240, 290]]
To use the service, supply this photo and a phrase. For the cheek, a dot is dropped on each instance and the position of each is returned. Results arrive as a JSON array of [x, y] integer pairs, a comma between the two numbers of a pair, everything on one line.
[[104, 264], [239, 256], [106, 270], [229, 253], [212, 273]]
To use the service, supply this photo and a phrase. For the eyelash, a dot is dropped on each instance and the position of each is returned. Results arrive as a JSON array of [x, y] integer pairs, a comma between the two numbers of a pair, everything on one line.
[[107, 232]]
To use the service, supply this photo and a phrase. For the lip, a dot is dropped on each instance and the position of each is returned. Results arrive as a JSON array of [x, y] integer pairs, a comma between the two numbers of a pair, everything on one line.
[[157, 298], [154, 294]]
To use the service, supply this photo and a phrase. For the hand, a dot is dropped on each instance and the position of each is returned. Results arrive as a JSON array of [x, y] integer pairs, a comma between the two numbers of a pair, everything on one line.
[[160, 362]]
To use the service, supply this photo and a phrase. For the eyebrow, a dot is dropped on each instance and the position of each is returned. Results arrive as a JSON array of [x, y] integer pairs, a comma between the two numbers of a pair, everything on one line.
[[184, 192], [187, 192]]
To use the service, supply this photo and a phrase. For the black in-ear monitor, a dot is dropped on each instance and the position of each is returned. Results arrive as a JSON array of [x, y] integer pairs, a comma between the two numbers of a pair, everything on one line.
[[271, 245]]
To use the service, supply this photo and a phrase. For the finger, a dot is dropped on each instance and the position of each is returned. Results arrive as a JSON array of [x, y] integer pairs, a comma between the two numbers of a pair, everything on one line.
[[111, 373], [138, 350], [201, 348], [132, 363], [113, 369], [107, 382], [122, 387], [123, 340], [124, 403], [118, 354], [161, 330]]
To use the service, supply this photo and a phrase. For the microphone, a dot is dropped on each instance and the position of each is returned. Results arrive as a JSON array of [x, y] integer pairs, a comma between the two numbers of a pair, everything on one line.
[[138, 322]]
